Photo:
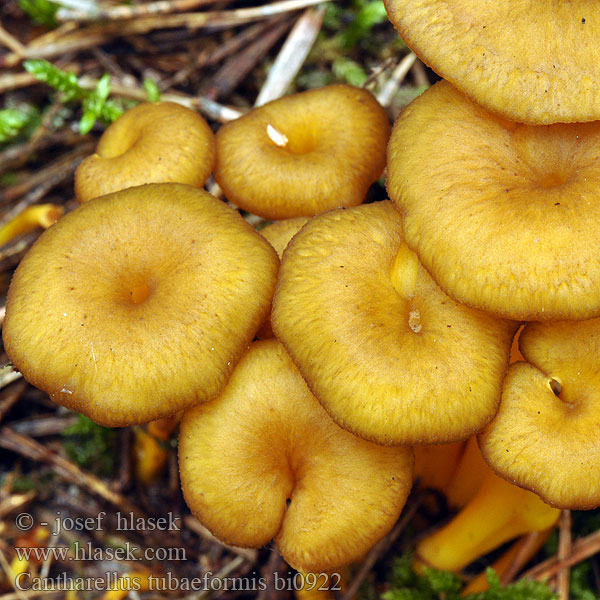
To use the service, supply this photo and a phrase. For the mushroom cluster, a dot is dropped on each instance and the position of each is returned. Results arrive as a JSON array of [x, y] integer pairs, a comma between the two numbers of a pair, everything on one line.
[[394, 320], [495, 171]]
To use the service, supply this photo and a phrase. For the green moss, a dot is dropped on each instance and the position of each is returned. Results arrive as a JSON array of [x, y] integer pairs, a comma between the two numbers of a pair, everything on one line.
[[90, 445]]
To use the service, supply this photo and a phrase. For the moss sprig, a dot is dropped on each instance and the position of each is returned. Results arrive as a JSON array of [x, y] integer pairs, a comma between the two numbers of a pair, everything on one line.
[[96, 103]]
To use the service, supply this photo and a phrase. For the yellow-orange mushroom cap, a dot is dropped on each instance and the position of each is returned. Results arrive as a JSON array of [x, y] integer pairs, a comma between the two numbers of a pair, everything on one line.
[[139, 303], [279, 234], [150, 143], [303, 154], [530, 62], [264, 461], [544, 437], [386, 352], [505, 217]]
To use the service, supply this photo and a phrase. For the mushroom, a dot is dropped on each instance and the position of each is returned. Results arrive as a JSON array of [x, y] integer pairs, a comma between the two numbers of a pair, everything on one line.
[[544, 435], [498, 512], [531, 63], [138, 304], [264, 461], [389, 355], [303, 154], [32, 217], [150, 143], [503, 216], [279, 234]]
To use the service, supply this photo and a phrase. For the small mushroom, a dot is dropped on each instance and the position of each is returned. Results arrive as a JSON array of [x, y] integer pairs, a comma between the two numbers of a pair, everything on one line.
[[386, 352], [150, 143], [503, 216], [303, 154], [264, 461], [31, 218], [279, 234], [544, 435], [535, 63], [140, 303]]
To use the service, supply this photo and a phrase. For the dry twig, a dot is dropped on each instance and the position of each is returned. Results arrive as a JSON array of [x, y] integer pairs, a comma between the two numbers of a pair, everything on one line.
[[292, 55]]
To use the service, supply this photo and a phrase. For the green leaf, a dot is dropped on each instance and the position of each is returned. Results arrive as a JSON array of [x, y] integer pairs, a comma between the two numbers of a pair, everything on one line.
[[371, 14], [62, 81], [152, 90], [349, 71], [41, 11], [95, 104], [12, 122]]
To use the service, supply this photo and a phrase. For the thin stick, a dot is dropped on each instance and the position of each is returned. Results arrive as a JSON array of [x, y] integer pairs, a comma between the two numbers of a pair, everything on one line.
[[16, 502], [527, 543], [56, 172], [8, 375], [210, 108], [11, 396], [380, 549], [565, 543], [10, 41], [292, 55], [581, 550], [97, 35], [28, 447], [391, 86], [229, 568], [237, 67], [113, 13]]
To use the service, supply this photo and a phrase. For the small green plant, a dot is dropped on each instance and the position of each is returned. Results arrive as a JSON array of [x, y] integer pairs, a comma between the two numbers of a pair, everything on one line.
[[369, 15], [15, 120], [41, 11], [95, 103], [441, 585], [90, 445]]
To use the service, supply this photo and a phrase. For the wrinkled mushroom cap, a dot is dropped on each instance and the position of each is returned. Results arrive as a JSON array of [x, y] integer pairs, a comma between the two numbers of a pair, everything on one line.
[[533, 62], [139, 303], [150, 143], [266, 440], [386, 352], [303, 154], [504, 216], [544, 437]]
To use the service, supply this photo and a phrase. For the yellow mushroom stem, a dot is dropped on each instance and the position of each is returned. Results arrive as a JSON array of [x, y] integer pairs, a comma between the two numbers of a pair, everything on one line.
[[498, 512], [33, 217], [150, 450], [435, 464], [518, 555], [468, 476]]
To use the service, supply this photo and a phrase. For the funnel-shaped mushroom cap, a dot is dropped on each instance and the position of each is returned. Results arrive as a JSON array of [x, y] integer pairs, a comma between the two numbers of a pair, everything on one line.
[[544, 437], [266, 440], [505, 217], [534, 62], [139, 303], [387, 353], [303, 154], [150, 143]]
